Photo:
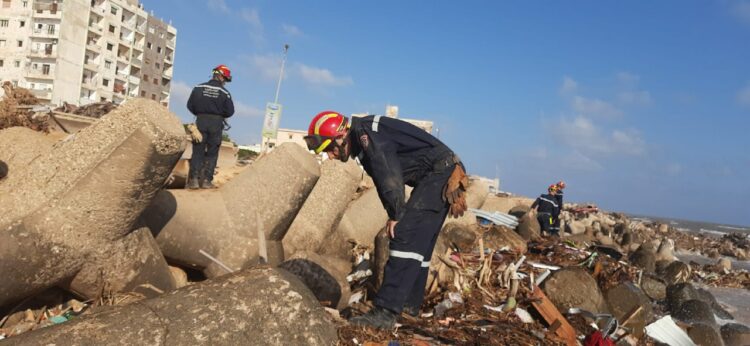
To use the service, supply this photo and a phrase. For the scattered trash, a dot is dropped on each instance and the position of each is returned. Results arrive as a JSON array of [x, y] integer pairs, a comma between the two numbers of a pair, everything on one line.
[[666, 331], [524, 316]]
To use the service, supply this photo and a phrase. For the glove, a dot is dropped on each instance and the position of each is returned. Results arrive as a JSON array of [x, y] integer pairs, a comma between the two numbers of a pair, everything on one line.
[[454, 192], [194, 133]]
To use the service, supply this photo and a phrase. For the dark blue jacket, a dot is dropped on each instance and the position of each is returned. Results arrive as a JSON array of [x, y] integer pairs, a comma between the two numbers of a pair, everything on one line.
[[547, 204], [394, 152], [211, 98]]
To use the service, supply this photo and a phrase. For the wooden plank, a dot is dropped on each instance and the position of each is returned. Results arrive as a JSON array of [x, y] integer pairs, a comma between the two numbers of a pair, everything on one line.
[[553, 317]]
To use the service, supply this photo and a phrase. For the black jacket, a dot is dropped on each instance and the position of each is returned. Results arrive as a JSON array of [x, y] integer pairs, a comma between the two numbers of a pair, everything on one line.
[[559, 198], [394, 153], [211, 98], [546, 204]]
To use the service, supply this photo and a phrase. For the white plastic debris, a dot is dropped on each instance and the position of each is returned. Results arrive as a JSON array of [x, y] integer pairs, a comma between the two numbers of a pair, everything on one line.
[[498, 308], [356, 297], [541, 277], [524, 315], [543, 266], [666, 331]]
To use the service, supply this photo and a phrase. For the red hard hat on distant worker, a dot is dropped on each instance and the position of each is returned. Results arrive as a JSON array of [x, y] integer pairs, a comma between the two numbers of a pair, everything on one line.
[[324, 128], [552, 188], [560, 185], [224, 71]]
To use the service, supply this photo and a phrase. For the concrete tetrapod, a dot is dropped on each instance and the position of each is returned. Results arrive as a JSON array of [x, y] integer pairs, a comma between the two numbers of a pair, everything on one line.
[[225, 222], [323, 207], [259, 306], [84, 194]]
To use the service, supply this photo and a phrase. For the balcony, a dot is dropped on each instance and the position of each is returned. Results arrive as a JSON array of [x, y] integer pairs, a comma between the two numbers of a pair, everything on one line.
[[89, 83], [168, 73], [43, 53], [44, 94], [93, 46], [134, 80], [40, 73], [46, 10], [91, 66], [45, 33], [170, 43], [136, 62]]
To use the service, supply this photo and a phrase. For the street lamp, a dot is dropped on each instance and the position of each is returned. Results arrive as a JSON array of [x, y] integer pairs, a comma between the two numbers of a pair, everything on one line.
[[281, 74]]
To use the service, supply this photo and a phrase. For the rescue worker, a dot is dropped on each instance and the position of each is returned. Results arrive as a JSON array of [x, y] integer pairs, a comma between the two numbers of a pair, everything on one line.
[[394, 153], [547, 208], [560, 186], [211, 104]]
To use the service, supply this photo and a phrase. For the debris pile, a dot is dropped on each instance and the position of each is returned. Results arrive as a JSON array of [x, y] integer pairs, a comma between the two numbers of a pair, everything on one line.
[[93, 110], [16, 109], [258, 258]]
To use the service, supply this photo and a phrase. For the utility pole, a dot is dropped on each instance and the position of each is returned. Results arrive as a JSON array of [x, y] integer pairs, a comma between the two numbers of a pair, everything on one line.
[[273, 110], [281, 74]]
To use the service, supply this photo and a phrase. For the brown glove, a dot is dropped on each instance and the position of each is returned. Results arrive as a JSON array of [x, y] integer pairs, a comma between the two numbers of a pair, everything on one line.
[[454, 192], [194, 133]]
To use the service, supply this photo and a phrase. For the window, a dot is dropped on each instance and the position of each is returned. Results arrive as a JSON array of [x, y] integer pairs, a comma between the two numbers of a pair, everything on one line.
[[109, 46], [25, 3], [148, 45], [105, 82], [153, 96], [107, 64], [40, 26], [15, 83], [145, 77], [1, 63], [17, 63], [21, 23], [45, 69], [158, 50], [6, 3], [112, 28], [143, 93], [156, 81], [113, 10], [103, 99], [158, 66], [3, 23], [20, 43]]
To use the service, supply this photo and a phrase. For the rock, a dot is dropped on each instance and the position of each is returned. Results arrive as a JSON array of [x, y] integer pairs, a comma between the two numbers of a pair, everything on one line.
[[708, 298], [663, 228], [498, 237], [83, 195], [245, 308], [735, 334], [695, 311], [724, 264], [625, 297], [604, 239], [654, 287], [680, 293], [574, 287], [226, 222], [705, 334], [576, 227], [666, 251], [644, 257], [326, 280], [677, 272], [179, 276], [461, 237], [313, 224], [133, 264], [528, 228]]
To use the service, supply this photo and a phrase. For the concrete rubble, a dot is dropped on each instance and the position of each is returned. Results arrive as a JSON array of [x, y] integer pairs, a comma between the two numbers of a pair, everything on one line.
[[94, 250]]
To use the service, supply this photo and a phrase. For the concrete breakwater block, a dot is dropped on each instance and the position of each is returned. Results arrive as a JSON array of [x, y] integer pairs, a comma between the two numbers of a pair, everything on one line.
[[323, 207], [260, 306], [82, 195], [226, 222], [322, 276]]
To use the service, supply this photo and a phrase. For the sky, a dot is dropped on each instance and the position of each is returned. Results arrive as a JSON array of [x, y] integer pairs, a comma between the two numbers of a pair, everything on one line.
[[639, 106]]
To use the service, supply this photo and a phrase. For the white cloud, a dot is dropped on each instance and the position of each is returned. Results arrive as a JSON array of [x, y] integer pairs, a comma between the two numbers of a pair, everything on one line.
[[219, 6], [251, 16], [321, 76], [635, 97], [291, 30], [245, 111], [595, 107], [582, 135], [743, 96], [569, 86], [266, 66]]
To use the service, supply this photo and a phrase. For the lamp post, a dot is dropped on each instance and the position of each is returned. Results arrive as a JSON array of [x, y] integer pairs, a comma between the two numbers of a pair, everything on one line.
[[281, 74], [273, 110]]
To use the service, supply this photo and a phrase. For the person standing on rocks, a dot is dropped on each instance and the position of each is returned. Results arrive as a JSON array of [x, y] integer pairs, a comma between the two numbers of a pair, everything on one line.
[[211, 104], [394, 153], [547, 208], [560, 186]]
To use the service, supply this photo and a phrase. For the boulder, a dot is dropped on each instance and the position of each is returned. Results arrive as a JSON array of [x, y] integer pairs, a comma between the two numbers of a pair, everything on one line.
[[260, 306], [179, 276], [705, 334], [576, 227], [644, 257], [519, 211], [695, 311], [323, 207], [680, 293], [677, 272], [574, 287], [499, 237], [724, 264], [459, 236], [735, 334], [654, 287], [665, 252], [624, 298], [83, 196], [226, 222], [706, 296], [528, 227]]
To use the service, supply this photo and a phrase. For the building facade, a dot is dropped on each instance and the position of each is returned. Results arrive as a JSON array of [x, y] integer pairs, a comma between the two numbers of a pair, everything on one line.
[[84, 51]]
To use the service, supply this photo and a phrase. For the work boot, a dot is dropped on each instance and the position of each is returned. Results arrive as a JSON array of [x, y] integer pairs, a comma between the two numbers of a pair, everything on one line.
[[193, 184], [377, 317], [207, 184], [412, 311]]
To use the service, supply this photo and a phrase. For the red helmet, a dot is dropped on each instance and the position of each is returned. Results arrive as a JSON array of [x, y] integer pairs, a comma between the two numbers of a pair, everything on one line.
[[224, 71], [560, 185], [552, 188], [324, 129]]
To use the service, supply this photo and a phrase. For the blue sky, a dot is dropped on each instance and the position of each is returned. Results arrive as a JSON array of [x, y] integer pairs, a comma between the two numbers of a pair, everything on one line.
[[641, 107]]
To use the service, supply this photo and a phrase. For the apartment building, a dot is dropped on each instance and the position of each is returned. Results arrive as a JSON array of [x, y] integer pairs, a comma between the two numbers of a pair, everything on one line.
[[84, 51]]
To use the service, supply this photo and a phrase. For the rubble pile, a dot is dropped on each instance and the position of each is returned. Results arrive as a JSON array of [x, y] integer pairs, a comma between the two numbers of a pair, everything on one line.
[[16, 109], [288, 248], [93, 110]]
